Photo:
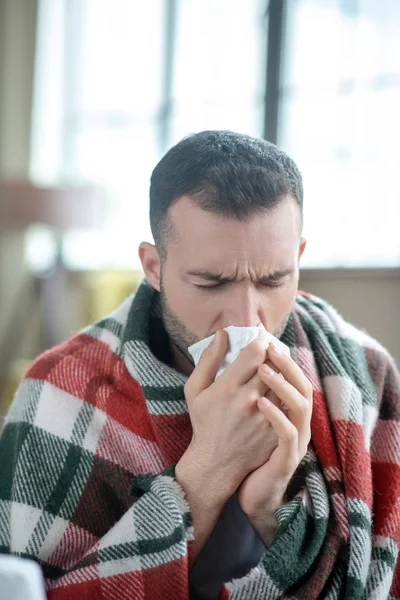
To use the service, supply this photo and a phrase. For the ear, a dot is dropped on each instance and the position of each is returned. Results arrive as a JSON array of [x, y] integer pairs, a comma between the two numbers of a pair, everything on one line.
[[151, 264], [302, 247]]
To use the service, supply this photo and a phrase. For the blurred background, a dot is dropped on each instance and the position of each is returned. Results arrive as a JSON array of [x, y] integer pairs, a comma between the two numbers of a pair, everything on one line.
[[92, 94]]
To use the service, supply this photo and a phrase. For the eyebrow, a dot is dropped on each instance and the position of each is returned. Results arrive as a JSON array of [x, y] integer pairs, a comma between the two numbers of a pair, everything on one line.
[[218, 277]]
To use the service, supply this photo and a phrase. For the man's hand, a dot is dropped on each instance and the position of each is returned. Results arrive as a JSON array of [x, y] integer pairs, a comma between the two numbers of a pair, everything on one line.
[[231, 436], [263, 490]]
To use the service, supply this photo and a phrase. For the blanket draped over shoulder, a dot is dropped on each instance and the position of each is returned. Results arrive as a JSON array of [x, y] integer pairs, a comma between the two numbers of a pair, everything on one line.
[[87, 457]]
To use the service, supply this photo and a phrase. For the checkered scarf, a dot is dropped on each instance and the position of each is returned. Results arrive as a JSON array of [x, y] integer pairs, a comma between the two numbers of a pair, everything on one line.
[[87, 484]]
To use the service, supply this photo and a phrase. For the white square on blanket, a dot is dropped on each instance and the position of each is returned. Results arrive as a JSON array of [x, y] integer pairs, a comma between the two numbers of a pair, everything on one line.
[[122, 532], [23, 520], [57, 412], [94, 430]]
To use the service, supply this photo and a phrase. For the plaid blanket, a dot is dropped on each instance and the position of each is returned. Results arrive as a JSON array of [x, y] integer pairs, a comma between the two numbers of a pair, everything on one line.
[[87, 484]]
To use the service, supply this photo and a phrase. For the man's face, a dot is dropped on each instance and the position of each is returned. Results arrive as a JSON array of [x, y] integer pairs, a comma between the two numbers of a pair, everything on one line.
[[221, 271]]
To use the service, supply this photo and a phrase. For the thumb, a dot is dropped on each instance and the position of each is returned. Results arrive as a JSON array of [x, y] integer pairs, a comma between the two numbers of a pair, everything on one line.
[[207, 367]]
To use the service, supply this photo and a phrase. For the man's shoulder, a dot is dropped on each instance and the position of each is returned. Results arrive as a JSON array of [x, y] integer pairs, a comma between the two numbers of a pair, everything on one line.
[[92, 355], [362, 354], [330, 320]]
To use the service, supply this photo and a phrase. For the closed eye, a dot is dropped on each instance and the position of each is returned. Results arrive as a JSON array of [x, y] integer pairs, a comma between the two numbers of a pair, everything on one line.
[[208, 287], [273, 284], [268, 284]]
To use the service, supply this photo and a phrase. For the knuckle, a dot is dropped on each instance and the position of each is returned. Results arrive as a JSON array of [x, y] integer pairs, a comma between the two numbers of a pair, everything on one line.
[[252, 396], [304, 408], [248, 403], [308, 389], [292, 434]]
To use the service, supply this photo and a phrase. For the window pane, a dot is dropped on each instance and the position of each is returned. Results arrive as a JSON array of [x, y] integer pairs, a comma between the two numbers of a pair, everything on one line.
[[113, 116], [219, 74], [339, 120], [114, 68], [115, 56]]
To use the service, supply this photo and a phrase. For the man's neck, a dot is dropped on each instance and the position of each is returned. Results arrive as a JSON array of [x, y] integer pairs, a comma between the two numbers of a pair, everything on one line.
[[180, 362]]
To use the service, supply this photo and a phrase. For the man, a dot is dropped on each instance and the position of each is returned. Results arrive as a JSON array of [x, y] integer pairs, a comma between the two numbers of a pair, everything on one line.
[[128, 473]]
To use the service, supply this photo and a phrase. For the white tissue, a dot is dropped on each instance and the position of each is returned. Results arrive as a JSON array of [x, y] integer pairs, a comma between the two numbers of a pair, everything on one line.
[[239, 338], [20, 579]]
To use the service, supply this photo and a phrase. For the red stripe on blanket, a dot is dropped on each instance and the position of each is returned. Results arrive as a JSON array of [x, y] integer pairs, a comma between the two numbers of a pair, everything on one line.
[[124, 586], [79, 366], [86, 590], [87, 369], [355, 461], [386, 480], [174, 433], [127, 402], [321, 433], [167, 581]]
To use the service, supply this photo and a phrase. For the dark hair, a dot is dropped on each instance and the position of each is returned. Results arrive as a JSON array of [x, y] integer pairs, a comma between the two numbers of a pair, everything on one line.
[[228, 173]]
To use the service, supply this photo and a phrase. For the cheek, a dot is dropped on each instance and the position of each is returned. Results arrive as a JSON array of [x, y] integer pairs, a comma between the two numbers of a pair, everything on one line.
[[174, 292], [177, 301], [286, 301], [202, 310], [186, 302], [278, 304]]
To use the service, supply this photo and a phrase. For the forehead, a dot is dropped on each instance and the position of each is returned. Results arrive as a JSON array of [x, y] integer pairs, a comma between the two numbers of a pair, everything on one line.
[[203, 237]]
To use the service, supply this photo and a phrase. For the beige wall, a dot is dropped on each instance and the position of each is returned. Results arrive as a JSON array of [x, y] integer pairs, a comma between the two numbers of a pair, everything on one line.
[[17, 55], [370, 299]]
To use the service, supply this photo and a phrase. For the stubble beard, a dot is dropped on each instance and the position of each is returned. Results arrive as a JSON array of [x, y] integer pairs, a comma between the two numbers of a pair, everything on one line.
[[177, 331]]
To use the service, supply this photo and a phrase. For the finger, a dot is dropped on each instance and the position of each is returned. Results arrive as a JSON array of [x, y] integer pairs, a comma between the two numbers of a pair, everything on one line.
[[295, 402], [288, 445], [257, 387], [206, 369], [298, 407], [246, 364], [272, 397], [290, 371]]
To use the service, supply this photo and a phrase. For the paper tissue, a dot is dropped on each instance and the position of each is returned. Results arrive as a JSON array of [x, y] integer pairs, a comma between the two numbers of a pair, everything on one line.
[[20, 579], [239, 338]]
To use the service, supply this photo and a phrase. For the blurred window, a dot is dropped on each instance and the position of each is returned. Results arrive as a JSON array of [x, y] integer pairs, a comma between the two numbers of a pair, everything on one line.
[[118, 82], [339, 118]]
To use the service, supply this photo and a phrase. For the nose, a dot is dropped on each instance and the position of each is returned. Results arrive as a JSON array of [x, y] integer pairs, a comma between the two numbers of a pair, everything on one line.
[[243, 308]]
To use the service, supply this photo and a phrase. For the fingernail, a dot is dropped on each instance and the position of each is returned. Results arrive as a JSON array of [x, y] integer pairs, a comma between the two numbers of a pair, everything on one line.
[[268, 370], [275, 349], [265, 402]]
